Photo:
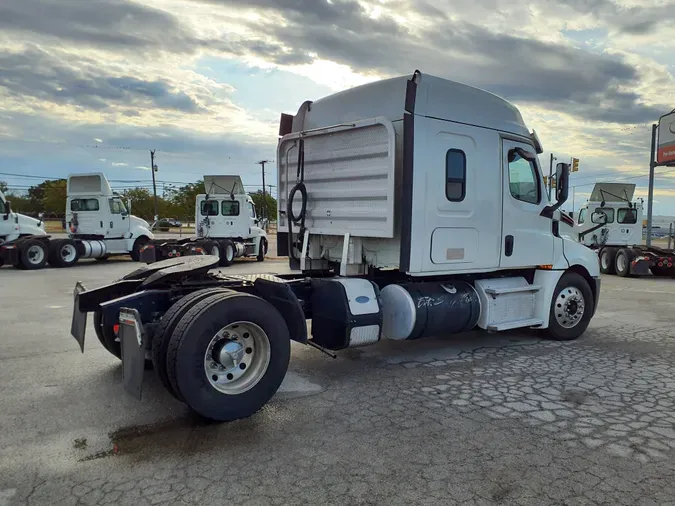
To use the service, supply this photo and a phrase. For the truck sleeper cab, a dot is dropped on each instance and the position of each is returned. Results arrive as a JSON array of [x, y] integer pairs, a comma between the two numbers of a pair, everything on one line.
[[410, 207]]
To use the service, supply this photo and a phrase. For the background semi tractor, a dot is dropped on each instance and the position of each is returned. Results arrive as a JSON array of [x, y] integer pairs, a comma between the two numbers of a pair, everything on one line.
[[410, 207], [19, 229], [98, 223], [226, 222], [610, 223]]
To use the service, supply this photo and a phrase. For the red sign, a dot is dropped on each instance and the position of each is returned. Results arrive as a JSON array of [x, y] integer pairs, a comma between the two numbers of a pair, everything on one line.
[[666, 149]]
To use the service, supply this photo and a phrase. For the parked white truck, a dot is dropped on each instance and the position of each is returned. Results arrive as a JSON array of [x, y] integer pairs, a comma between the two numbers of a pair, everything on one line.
[[227, 226], [610, 223], [411, 207], [20, 229], [98, 223]]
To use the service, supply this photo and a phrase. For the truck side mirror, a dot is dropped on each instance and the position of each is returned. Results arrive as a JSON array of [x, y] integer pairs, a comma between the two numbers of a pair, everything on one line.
[[129, 206], [562, 188], [562, 182], [8, 209]]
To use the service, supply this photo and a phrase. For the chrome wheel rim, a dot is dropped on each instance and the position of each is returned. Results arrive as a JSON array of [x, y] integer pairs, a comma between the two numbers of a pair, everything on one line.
[[215, 251], [68, 252], [237, 357], [229, 253], [35, 254], [569, 307], [604, 260], [621, 262]]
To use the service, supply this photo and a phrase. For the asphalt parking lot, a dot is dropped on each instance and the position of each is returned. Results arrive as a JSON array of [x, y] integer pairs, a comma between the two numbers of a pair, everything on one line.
[[474, 419]]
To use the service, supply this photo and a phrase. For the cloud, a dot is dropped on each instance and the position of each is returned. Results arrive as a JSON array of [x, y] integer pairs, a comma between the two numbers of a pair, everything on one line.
[[595, 86], [118, 24], [43, 75]]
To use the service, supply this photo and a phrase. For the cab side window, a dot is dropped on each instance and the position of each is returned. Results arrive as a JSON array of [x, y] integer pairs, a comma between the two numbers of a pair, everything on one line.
[[116, 206], [230, 208], [84, 205], [582, 216], [209, 208], [597, 216], [252, 209], [626, 216], [455, 175], [523, 180]]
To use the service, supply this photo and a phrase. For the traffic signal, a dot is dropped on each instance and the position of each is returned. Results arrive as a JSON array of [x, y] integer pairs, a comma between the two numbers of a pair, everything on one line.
[[575, 165]]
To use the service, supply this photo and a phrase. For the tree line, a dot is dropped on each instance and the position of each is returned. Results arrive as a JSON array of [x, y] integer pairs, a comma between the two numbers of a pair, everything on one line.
[[178, 202]]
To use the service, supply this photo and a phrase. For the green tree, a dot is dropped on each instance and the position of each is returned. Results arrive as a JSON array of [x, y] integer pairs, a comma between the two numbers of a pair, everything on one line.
[[55, 195], [265, 206], [142, 204], [183, 198]]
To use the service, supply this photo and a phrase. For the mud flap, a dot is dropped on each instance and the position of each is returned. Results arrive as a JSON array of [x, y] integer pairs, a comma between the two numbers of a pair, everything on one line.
[[78, 325], [639, 266], [148, 254], [133, 351]]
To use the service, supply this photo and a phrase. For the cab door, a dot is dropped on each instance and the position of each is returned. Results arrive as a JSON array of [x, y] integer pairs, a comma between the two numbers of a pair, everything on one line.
[[527, 236], [118, 220]]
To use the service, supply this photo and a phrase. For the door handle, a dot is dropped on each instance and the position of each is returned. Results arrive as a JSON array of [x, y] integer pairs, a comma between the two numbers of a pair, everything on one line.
[[508, 245]]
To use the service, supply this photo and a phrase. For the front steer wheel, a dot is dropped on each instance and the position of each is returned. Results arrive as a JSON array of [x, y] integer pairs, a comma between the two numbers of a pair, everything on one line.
[[228, 356], [571, 308]]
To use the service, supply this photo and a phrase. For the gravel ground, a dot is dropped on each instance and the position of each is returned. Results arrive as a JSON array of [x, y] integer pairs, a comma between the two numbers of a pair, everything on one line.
[[471, 419]]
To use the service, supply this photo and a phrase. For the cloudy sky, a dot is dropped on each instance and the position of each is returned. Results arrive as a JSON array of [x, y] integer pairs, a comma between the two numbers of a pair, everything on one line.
[[95, 84]]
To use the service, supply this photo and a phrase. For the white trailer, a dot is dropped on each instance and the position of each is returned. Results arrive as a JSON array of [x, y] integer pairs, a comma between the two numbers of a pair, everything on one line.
[[98, 223], [227, 226], [410, 207], [610, 223]]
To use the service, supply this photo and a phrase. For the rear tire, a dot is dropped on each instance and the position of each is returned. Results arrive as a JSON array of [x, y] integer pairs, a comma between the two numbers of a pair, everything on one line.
[[33, 254], [63, 253], [622, 262], [571, 308], [163, 332], [226, 252], [106, 336], [253, 368], [607, 259], [211, 248], [138, 245]]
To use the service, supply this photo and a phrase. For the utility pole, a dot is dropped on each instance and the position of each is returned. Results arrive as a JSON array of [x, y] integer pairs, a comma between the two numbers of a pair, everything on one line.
[[264, 208], [650, 197], [154, 184]]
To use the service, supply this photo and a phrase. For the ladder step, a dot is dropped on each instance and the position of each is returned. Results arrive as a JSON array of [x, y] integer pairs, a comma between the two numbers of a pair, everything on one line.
[[512, 289], [516, 324]]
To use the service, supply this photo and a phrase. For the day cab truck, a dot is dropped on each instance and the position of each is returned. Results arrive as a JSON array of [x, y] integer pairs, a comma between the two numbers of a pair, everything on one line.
[[610, 224], [227, 226], [410, 207], [98, 223], [16, 228]]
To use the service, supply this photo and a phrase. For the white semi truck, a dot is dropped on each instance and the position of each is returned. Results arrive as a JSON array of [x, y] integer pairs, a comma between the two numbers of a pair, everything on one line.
[[227, 226], [16, 228], [98, 223], [410, 207], [610, 223]]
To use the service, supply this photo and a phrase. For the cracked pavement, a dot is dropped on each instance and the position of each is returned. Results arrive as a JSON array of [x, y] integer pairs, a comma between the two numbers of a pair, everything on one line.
[[472, 419]]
